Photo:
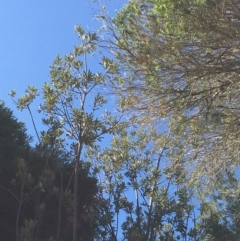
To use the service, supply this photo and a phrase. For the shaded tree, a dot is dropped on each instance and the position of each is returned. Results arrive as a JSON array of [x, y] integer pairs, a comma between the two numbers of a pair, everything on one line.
[[14, 145], [32, 179]]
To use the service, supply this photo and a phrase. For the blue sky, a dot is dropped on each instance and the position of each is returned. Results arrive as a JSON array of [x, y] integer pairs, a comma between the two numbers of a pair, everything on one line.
[[32, 34]]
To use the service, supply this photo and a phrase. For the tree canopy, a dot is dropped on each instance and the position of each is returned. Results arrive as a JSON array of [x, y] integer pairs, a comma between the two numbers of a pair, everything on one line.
[[168, 168], [182, 60]]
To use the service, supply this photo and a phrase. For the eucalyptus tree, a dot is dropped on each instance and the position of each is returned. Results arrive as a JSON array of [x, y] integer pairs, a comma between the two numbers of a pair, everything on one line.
[[181, 63], [72, 105]]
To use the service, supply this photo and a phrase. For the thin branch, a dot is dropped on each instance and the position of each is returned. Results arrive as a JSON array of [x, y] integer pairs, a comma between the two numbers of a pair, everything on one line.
[[10, 192], [35, 128]]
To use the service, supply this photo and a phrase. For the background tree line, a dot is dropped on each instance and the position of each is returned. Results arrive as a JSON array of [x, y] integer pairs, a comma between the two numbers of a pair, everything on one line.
[[169, 171]]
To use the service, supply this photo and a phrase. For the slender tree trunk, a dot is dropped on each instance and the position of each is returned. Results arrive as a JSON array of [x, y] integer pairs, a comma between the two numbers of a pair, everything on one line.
[[37, 216], [149, 222], [18, 213], [75, 202], [59, 217], [60, 205]]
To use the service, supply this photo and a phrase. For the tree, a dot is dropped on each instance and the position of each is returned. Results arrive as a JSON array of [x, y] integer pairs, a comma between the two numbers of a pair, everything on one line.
[[182, 64], [34, 187], [47, 207], [14, 142], [73, 123], [139, 200], [14, 145], [218, 217], [178, 83]]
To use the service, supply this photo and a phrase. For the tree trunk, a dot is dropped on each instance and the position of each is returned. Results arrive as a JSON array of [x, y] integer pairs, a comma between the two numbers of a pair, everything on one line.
[[18, 213], [75, 202]]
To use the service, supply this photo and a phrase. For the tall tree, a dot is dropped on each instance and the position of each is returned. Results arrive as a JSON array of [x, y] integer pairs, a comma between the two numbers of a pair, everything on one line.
[[181, 60], [71, 104]]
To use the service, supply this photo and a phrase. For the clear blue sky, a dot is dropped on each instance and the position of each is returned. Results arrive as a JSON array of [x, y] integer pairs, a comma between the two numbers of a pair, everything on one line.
[[32, 34]]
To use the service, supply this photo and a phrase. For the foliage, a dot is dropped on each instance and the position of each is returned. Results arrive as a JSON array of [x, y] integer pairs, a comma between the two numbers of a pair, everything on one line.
[[181, 60], [71, 107], [36, 188], [218, 218], [137, 197], [174, 72], [14, 145]]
